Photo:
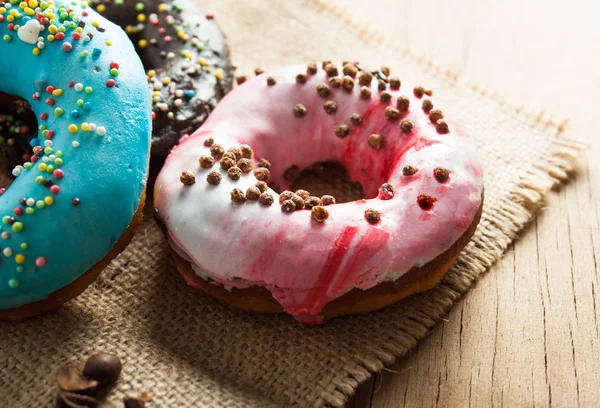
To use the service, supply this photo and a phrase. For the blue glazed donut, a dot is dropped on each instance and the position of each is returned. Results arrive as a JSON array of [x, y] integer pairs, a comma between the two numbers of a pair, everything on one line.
[[73, 204]]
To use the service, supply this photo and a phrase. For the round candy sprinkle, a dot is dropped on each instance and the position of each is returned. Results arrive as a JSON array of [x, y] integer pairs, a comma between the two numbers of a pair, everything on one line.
[[40, 261], [14, 283]]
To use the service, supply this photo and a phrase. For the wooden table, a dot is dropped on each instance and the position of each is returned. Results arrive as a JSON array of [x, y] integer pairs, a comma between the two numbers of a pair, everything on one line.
[[527, 333]]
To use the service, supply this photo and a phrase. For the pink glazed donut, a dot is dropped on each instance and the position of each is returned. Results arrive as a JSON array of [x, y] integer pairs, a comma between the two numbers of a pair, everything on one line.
[[243, 242]]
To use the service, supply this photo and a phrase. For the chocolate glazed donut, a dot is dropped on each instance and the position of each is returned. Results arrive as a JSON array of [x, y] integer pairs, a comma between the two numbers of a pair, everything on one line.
[[186, 58]]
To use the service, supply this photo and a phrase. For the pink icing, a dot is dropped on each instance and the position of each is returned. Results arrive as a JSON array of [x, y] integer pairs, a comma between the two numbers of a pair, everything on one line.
[[304, 264]]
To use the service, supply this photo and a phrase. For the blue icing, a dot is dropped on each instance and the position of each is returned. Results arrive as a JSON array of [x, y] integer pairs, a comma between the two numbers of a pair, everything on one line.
[[106, 173]]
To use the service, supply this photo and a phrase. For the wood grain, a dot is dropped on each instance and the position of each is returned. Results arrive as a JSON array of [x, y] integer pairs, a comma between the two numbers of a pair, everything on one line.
[[527, 333]]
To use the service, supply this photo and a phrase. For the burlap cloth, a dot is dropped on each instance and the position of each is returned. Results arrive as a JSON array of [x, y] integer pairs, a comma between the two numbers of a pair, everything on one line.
[[192, 350]]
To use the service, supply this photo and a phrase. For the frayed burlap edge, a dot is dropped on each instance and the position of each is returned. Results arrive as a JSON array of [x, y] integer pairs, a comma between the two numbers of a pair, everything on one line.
[[491, 239]]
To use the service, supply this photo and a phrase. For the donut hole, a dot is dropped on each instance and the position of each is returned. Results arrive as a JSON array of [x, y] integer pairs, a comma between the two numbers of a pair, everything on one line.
[[329, 178], [18, 125]]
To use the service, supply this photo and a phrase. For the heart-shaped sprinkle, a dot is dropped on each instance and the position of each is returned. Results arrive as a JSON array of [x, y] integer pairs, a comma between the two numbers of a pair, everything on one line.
[[30, 31]]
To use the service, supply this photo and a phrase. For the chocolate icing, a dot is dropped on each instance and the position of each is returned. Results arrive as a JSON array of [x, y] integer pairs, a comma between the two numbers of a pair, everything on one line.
[[190, 60]]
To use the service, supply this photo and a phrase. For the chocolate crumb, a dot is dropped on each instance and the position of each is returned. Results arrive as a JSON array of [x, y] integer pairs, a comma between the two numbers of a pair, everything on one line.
[[303, 194], [372, 216], [271, 81], [442, 126], [262, 174], [301, 78], [365, 78], [365, 92], [237, 196], [350, 70], [241, 79], [227, 163], [291, 173], [311, 69], [288, 206], [245, 165], [213, 178], [427, 105], [342, 131], [265, 199], [285, 195], [335, 82], [323, 90], [247, 152], [298, 201], [206, 162], [325, 63], [300, 110], [406, 125], [259, 71], [187, 178], [262, 186], [355, 119], [385, 70], [236, 151], [375, 141], [319, 214], [312, 201], [420, 91], [330, 107], [435, 115], [381, 85], [386, 191], [394, 83], [402, 103], [264, 163], [409, 170], [234, 173], [230, 155], [253, 193], [392, 114], [216, 150], [209, 142], [441, 174], [425, 201], [327, 200], [331, 70], [348, 83], [385, 96]]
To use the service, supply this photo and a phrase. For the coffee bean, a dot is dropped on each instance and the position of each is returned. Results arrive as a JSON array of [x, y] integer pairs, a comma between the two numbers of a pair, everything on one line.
[[132, 402], [70, 379], [103, 367], [75, 400]]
